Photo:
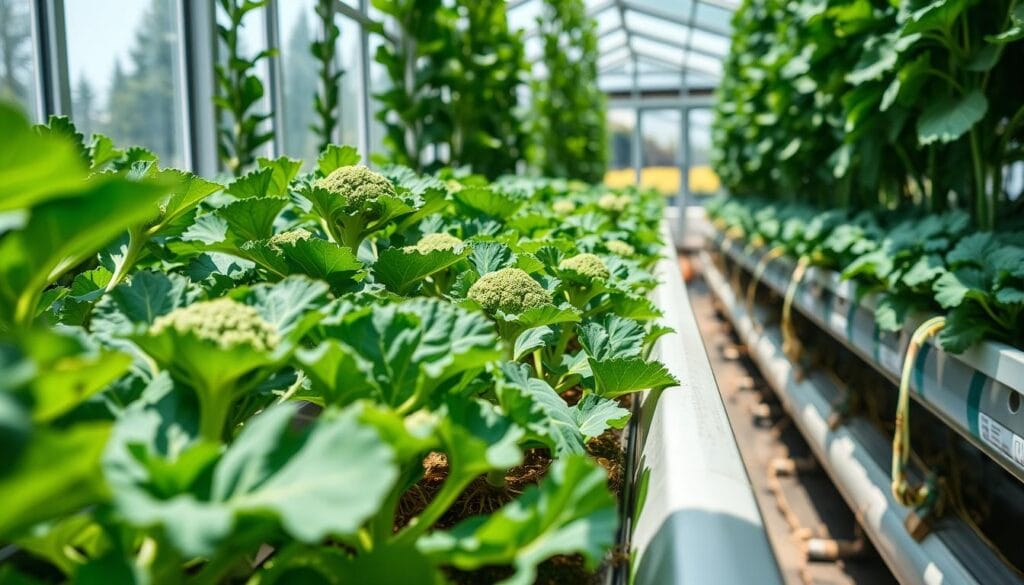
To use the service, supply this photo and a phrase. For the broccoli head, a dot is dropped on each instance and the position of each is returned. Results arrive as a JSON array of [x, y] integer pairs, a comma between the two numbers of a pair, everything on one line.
[[587, 265], [613, 202], [356, 184], [224, 322], [289, 237], [510, 290], [435, 243], [563, 207], [620, 248]]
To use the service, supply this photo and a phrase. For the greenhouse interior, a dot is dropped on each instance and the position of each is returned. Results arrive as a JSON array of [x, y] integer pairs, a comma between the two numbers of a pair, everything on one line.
[[389, 292]]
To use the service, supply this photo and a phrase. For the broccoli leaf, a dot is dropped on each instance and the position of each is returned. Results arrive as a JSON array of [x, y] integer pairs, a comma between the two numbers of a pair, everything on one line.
[[323, 481], [570, 512]]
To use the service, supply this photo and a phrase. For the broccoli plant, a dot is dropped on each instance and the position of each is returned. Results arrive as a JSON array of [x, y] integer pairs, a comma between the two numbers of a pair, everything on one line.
[[352, 202]]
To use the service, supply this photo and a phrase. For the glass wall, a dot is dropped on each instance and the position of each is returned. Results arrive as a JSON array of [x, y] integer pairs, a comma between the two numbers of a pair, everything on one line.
[[125, 73], [661, 132], [703, 181], [17, 56], [299, 26], [621, 128]]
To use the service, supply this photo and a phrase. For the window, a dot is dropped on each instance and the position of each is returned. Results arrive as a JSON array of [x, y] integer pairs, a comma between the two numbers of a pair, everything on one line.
[[702, 178], [123, 65], [621, 125], [349, 49], [252, 39], [662, 132], [300, 77], [17, 56]]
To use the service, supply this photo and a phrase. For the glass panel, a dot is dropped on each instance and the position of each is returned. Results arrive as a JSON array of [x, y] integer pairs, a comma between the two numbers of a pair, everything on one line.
[[713, 17], [662, 132], [615, 82], [621, 123], [17, 56], [709, 42], [658, 52], [695, 80], [607, 20], [379, 83], [675, 8], [657, 27], [300, 79], [704, 64], [125, 75], [350, 49], [613, 58], [611, 41], [703, 182]]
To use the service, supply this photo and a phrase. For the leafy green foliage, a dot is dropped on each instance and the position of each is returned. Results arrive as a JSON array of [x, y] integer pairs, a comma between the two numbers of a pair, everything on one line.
[[914, 263], [874, 105], [192, 372], [327, 101]]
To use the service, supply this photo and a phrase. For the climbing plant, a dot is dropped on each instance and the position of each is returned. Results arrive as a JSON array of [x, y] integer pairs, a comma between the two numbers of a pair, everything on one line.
[[239, 90], [327, 101], [569, 108]]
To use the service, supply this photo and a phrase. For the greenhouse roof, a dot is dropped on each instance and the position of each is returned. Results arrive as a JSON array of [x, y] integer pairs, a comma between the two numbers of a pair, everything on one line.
[[649, 46]]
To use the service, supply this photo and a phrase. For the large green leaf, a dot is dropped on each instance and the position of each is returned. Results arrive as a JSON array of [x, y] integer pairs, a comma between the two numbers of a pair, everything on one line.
[[56, 474], [570, 512], [323, 481], [617, 376], [403, 352], [335, 157], [35, 167], [615, 337], [399, 269], [947, 118], [488, 201], [61, 233]]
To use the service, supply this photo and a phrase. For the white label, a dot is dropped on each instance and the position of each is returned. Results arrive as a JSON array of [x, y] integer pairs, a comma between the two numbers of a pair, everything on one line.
[[888, 353], [1001, 438], [838, 319]]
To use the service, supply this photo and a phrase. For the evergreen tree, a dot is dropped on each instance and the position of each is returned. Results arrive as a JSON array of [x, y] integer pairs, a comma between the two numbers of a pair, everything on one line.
[[142, 106], [15, 51], [84, 105], [300, 85]]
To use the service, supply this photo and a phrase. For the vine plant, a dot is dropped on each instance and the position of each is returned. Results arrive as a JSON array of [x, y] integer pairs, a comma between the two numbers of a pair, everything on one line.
[[327, 102], [239, 91]]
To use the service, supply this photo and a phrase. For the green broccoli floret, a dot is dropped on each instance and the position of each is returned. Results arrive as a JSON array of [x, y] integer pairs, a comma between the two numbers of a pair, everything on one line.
[[563, 207], [224, 322], [510, 290], [620, 248], [587, 265], [289, 237], [613, 202], [357, 184], [435, 243]]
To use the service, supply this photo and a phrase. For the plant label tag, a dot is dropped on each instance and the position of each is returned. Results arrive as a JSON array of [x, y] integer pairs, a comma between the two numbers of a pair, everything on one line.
[[839, 319], [889, 352], [1001, 439]]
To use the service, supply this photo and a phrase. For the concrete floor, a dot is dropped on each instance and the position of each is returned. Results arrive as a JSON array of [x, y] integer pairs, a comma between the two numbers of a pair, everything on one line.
[[811, 497]]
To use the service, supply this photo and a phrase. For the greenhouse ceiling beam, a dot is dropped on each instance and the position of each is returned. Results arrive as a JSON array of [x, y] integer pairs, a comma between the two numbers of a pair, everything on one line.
[[622, 24], [723, 4], [516, 4], [599, 8], [614, 63], [676, 44], [669, 17], [363, 20], [680, 66]]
